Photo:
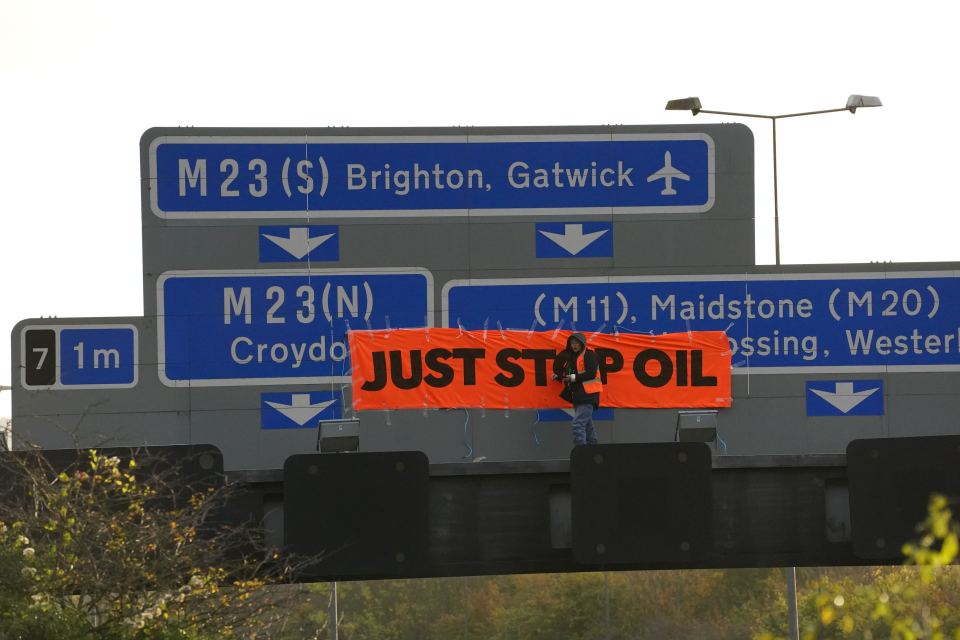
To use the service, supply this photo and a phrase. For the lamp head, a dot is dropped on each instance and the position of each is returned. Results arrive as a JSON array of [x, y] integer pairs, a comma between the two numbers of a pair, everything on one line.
[[685, 104], [856, 101]]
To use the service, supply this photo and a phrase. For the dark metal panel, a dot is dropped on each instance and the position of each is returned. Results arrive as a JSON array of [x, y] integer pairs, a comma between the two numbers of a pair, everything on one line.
[[891, 480], [365, 514], [517, 517], [641, 502], [772, 517]]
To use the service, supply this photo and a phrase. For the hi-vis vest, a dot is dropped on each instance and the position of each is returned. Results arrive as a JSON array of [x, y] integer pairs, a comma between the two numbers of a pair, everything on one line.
[[590, 386]]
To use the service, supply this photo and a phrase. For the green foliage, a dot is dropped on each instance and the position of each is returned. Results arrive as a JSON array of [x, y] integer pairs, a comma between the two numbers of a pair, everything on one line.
[[401, 609], [713, 604], [916, 601], [587, 606], [101, 551]]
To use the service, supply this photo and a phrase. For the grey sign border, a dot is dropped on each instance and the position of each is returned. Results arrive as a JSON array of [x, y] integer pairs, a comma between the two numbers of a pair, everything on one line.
[[429, 213]]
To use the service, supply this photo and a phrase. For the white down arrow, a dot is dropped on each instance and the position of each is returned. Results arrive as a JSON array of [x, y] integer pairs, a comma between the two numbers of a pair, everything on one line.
[[844, 398], [300, 410], [299, 244], [573, 239]]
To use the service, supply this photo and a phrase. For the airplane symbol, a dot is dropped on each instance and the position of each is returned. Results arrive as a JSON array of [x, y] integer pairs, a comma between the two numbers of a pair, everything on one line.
[[668, 173], [299, 243], [300, 410], [843, 397]]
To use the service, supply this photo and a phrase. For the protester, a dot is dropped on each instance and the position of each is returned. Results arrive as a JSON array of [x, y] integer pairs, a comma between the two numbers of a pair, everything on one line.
[[576, 368]]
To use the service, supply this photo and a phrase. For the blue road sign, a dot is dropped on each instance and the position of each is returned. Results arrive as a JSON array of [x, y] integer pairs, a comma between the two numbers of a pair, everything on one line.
[[561, 415], [79, 357], [313, 243], [299, 410], [845, 398], [227, 177], [776, 323], [574, 239], [226, 328]]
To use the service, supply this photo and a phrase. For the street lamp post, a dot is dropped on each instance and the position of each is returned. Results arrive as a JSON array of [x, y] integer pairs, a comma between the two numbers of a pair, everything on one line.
[[854, 102], [693, 105]]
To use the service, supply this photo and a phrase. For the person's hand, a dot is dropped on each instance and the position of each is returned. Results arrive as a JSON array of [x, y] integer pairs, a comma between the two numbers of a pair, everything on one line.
[[555, 377], [573, 377]]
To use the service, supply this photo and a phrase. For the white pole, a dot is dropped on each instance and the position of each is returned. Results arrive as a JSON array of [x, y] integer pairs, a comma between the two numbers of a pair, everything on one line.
[[792, 615], [334, 622]]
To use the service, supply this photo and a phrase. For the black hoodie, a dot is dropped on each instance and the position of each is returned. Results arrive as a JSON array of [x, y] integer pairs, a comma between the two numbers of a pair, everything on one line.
[[564, 364]]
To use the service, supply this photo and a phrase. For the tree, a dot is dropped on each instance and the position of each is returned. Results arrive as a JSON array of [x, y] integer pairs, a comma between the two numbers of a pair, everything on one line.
[[914, 601], [121, 549]]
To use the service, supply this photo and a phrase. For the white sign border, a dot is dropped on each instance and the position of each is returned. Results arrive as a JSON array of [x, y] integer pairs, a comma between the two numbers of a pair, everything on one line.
[[303, 380], [731, 277], [67, 387], [428, 213]]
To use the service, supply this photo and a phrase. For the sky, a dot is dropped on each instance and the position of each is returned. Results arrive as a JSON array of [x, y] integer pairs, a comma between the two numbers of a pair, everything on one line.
[[81, 81]]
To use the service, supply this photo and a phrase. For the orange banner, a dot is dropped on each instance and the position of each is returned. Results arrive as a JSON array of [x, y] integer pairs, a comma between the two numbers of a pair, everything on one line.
[[453, 369]]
